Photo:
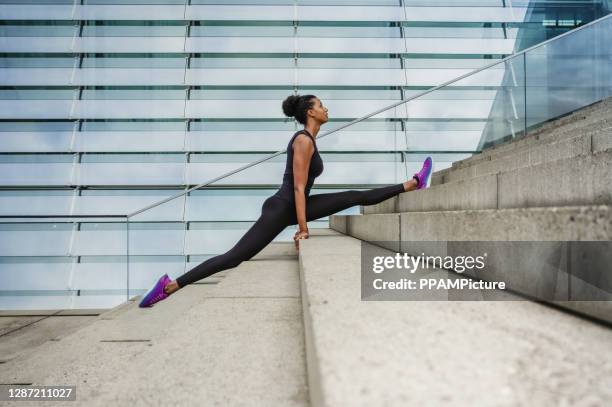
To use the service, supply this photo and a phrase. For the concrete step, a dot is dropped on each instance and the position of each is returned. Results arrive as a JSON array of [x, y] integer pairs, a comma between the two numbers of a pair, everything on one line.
[[534, 154], [584, 179], [400, 353], [20, 334], [414, 231], [234, 343]]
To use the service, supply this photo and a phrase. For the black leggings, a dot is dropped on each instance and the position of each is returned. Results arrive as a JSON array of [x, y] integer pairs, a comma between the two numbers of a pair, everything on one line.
[[276, 215]]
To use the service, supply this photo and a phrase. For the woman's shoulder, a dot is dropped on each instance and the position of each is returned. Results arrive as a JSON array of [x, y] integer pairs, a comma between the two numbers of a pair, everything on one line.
[[306, 134], [306, 137]]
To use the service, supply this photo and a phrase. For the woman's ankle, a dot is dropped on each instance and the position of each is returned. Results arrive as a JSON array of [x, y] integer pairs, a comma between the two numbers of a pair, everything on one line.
[[410, 185], [171, 287]]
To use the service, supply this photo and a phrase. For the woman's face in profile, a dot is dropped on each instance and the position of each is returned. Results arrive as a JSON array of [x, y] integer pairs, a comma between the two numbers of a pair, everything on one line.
[[319, 111]]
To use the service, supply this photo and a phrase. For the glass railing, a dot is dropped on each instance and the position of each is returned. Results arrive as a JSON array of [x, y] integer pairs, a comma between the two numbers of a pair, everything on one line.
[[454, 120], [57, 262]]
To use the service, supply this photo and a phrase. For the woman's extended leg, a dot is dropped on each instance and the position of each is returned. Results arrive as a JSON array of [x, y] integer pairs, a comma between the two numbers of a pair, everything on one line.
[[272, 221], [321, 205]]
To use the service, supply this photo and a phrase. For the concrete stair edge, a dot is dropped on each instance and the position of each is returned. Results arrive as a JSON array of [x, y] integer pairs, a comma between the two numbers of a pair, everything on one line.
[[507, 189]]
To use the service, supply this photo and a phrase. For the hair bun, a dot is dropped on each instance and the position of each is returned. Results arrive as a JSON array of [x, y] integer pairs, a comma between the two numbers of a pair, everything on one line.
[[290, 105]]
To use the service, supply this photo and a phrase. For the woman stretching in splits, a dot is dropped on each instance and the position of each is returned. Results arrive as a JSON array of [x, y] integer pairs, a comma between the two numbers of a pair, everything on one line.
[[291, 204]]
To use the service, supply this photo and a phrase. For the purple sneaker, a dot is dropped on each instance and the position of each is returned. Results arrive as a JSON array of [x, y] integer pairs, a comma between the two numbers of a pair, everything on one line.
[[422, 177], [157, 293]]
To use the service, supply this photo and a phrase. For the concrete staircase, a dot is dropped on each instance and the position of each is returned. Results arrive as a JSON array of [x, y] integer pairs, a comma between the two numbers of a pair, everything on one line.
[[291, 329], [554, 184]]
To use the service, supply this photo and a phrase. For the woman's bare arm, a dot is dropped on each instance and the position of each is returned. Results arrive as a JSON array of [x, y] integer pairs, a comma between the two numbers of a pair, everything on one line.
[[303, 149]]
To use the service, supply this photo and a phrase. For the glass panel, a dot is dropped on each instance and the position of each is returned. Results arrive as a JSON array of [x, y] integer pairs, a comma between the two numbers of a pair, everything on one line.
[[34, 202], [143, 169], [39, 266], [570, 73], [129, 109], [101, 201], [507, 116], [35, 141], [34, 109], [30, 169]]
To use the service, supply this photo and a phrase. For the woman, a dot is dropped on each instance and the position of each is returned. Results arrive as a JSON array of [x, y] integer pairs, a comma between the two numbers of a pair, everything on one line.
[[291, 204]]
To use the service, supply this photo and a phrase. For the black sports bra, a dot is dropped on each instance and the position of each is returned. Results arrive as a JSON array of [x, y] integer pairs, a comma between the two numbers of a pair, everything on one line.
[[315, 169]]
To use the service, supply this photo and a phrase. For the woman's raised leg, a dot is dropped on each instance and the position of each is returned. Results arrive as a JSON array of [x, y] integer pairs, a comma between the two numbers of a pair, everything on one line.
[[321, 205]]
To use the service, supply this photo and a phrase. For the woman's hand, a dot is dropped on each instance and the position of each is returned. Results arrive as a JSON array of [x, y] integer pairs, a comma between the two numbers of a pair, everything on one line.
[[300, 234]]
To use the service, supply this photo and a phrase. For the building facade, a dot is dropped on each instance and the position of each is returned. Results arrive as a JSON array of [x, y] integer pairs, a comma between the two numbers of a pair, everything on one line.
[[108, 106]]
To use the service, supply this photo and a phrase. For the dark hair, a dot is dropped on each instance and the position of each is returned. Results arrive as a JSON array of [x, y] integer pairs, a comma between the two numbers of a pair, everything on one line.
[[296, 106]]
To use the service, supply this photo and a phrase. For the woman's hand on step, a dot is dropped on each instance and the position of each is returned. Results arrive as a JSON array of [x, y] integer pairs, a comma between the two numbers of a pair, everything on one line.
[[300, 234]]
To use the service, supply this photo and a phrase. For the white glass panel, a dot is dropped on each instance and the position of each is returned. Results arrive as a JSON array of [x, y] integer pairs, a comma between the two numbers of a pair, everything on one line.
[[459, 32], [130, 12], [34, 109], [129, 44], [35, 174], [407, 45], [351, 77], [101, 239], [30, 141], [35, 76], [449, 109], [128, 109], [236, 76], [129, 141], [380, 13], [34, 239], [35, 12], [350, 13], [240, 12], [130, 173], [30, 273], [434, 77], [126, 202], [353, 45], [129, 76], [156, 238], [35, 202], [236, 44], [35, 44]]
